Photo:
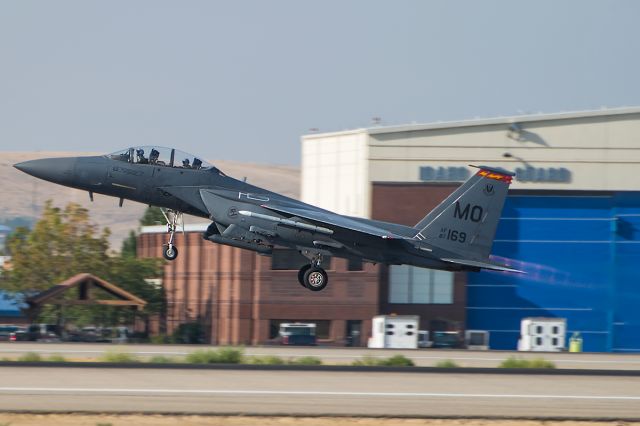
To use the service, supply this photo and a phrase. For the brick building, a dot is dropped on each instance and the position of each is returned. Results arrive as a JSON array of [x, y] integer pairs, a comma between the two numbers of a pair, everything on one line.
[[241, 297]]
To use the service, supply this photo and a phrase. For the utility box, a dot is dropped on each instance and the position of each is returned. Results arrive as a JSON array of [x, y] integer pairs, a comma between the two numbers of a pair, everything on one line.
[[476, 340], [394, 331], [542, 334]]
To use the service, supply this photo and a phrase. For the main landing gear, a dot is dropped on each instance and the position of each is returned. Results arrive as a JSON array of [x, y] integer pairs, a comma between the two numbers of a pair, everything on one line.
[[169, 251], [312, 276]]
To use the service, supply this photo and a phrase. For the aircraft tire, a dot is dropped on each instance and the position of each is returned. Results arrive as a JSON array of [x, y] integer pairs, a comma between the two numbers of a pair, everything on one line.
[[169, 253], [316, 279], [301, 273]]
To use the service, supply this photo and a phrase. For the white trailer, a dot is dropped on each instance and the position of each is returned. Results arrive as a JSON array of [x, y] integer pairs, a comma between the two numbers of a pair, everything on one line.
[[394, 331], [543, 334]]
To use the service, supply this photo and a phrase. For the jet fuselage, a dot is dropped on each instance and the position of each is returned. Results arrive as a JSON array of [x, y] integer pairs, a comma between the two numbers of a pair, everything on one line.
[[180, 189], [457, 235]]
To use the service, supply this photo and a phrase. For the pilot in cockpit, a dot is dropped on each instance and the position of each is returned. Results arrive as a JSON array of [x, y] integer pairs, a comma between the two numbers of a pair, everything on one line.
[[185, 163], [197, 163], [140, 156], [153, 157]]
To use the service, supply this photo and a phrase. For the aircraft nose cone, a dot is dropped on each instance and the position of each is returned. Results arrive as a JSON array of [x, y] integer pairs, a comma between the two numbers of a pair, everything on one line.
[[57, 170]]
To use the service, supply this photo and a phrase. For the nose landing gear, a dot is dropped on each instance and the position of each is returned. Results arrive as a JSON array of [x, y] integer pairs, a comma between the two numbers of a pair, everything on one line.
[[169, 251], [312, 276]]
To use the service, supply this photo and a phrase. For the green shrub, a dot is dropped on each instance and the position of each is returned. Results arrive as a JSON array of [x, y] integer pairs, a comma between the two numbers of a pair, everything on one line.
[[398, 361], [267, 360], [541, 363], [514, 362], [161, 359], [447, 363], [190, 333], [394, 361], [160, 339], [114, 356], [202, 357], [230, 356], [30, 357], [219, 356], [56, 358], [306, 360], [367, 361]]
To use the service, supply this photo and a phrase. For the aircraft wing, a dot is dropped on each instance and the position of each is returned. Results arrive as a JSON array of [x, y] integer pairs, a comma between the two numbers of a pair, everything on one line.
[[333, 220]]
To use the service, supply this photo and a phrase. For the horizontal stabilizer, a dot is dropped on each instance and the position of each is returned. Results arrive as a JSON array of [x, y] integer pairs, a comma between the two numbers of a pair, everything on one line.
[[483, 265]]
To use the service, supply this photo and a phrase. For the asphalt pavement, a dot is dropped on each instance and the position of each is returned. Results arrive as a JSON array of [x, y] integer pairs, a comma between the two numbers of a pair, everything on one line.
[[317, 393]]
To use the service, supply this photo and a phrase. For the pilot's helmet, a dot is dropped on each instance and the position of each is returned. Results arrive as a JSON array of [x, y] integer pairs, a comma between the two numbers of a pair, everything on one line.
[[140, 152]]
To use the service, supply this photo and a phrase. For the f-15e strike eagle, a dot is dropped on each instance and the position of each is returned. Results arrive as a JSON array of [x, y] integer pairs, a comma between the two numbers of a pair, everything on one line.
[[457, 235]]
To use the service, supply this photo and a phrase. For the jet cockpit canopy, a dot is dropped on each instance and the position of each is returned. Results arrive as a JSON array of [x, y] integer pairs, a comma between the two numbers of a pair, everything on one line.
[[160, 156]]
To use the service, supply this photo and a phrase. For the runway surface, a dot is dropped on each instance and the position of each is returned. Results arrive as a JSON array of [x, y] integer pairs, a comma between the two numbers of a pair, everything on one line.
[[317, 393], [422, 357]]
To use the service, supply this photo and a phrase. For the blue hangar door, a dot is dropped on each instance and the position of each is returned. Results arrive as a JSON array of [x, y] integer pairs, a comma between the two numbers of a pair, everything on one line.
[[581, 252]]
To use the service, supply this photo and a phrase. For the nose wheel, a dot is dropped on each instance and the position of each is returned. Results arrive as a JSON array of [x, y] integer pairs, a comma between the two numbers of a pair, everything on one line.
[[173, 218], [169, 252]]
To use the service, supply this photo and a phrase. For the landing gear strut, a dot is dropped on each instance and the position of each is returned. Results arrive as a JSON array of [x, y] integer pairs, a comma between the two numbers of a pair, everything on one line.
[[169, 251], [313, 276]]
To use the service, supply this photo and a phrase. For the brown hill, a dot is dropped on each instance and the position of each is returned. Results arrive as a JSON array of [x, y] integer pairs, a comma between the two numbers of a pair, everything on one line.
[[23, 195]]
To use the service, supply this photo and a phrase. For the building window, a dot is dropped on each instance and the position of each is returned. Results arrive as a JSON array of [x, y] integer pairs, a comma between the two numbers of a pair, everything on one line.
[[354, 264], [287, 259], [409, 284]]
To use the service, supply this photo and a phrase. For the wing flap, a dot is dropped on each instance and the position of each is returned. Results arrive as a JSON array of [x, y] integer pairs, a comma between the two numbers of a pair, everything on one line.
[[483, 265]]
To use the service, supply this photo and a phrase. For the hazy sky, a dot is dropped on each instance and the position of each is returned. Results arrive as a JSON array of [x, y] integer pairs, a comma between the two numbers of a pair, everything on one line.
[[243, 80]]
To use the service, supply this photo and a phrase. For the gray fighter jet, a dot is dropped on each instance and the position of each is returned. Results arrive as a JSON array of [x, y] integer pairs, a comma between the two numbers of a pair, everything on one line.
[[456, 235]]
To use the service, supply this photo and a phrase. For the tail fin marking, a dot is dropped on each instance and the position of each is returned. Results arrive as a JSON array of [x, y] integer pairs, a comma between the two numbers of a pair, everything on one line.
[[465, 222]]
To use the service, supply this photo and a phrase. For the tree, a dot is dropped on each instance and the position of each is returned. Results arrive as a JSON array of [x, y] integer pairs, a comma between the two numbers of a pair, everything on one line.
[[61, 244], [129, 245], [152, 216], [64, 243]]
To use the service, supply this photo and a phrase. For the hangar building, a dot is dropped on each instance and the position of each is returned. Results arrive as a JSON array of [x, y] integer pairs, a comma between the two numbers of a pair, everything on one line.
[[572, 219]]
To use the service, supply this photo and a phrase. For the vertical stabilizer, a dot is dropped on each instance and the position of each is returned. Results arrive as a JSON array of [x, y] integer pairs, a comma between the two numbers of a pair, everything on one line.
[[465, 222]]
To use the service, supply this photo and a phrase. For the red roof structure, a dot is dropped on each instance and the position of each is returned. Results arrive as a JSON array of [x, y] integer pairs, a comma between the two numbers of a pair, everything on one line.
[[85, 285]]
